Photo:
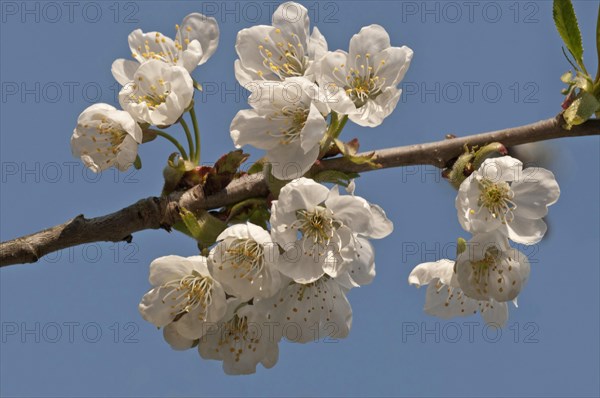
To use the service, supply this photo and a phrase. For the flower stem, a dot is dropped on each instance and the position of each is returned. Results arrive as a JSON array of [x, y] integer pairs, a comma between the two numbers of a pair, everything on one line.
[[196, 135], [173, 140], [334, 131], [188, 134]]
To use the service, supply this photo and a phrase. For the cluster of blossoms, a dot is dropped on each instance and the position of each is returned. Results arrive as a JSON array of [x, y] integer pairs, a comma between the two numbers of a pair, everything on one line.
[[499, 202], [285, 272], [256, 287], [157, 90], [256, 283]]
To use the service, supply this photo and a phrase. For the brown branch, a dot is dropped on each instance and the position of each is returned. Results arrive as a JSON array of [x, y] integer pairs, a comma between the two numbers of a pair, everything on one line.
[[155, 213]]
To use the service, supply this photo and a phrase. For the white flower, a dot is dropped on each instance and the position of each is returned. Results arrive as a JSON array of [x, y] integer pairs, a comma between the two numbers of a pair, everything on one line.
[[446, 300], [363, 82], [307, 312], [106, 137], [288, 121], [158, 94], [317, 229], [490, 269], [176, 340], [501, 195], [184, 291], [241, 342], [196, 41], [279, 51], [245, 262]]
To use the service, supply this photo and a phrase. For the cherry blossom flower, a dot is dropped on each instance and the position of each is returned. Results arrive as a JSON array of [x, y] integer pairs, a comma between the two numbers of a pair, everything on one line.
[[185, 292], [288, 121], [490, 269], [245, 261], [503, 196], [106, 137], [317, 229], [362, 83], [159, 93], [242, 341], [307, 312], [196, 41], [446, 299], [282, 50]]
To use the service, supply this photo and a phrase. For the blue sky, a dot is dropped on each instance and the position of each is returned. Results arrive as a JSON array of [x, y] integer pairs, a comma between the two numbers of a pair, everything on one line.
[[70, 325]]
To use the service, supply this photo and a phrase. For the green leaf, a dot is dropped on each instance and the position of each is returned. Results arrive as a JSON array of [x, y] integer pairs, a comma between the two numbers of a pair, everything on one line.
[[335, 177], [257, 167], [581, 110], [137, 163], [205, 228], [349, 152], [568, 28], [173, 172]]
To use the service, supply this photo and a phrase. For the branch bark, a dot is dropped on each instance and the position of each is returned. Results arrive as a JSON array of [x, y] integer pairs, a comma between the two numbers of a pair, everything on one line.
[[163, 212]]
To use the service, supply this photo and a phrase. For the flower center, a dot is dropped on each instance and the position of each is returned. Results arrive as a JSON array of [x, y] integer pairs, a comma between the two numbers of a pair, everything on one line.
[[189, 293], [497, 199], [294, 119], [152, 94], [161, 51], [286, 58], [107, 137], [482, 268], [361, 83], [318, 229], [236, 337], [247, 257]]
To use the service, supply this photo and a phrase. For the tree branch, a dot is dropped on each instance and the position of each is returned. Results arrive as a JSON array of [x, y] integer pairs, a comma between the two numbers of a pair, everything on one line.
[[155, 213]]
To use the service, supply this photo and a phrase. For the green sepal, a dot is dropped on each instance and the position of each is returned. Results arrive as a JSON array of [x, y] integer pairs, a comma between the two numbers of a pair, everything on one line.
[[470, 161], [254, 210], [173, 172], [582, 108], [461, 246], [273, 183], [204, 227], [148, 135], [137, 163]]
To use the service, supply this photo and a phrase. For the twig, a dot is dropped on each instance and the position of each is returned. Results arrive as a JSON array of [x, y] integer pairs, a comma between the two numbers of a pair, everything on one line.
[[155, 213]]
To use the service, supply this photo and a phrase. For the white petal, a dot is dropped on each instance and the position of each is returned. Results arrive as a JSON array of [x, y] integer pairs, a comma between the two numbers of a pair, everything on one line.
[[525, 231], [376, 110], [381, 226], [371, 39], [154, 309], [169, 268], [535, 192], [292, 18], [424, 273], [302, 193], [496, 314], [205, 30], [123, 70], [362, 269], [175, 340]]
